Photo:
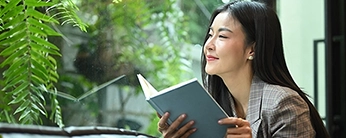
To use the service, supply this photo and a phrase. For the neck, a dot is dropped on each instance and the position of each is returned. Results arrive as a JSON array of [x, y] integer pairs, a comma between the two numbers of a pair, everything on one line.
[[239, 85]]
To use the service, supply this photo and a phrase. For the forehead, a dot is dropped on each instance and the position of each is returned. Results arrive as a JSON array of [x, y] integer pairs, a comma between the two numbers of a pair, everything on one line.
[[224, 19]]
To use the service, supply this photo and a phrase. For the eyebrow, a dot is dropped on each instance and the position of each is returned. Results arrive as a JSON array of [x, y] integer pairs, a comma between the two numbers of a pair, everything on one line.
[[221, 29]]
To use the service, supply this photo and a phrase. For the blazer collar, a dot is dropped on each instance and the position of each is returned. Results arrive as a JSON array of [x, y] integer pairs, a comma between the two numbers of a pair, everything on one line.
[[255, 101]]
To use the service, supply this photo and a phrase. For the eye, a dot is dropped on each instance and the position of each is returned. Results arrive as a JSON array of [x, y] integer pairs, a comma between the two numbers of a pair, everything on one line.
[[222, 36], [209, 35]]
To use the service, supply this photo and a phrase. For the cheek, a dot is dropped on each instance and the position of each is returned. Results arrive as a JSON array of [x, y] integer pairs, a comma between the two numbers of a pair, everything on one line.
[[232, 46], [231, 52], [226, 47]]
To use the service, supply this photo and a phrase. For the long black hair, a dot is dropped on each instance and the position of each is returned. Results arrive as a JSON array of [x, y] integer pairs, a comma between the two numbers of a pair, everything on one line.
[[262, 27]]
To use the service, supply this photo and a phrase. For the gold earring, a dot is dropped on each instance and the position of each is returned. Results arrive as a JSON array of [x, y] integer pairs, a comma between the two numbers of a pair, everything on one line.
[[250, 58]]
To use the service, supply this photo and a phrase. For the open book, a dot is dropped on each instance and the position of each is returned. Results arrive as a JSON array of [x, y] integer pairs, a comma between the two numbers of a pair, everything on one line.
[[192, 99]]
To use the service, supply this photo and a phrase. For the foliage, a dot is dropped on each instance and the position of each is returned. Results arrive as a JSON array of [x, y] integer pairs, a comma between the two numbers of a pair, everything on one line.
[[30, 58], [198, 13], [147, 35]]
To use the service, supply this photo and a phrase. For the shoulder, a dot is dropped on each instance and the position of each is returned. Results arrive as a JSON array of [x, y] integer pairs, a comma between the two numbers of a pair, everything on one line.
[[284, 112], [283, 102], [278, 92], [278, 97], [275, 96]]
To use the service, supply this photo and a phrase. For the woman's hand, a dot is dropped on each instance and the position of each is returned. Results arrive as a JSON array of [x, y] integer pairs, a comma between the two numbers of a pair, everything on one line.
[[242, 129], [171, 131]]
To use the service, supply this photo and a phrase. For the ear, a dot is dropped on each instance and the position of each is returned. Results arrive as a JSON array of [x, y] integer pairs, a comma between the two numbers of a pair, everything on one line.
[[251, 50]]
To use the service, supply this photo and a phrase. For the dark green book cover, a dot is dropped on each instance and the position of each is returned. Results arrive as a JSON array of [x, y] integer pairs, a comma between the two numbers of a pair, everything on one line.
[[192, 99]]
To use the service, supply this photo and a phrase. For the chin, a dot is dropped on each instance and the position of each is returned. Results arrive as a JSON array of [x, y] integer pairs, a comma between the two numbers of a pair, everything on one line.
[[209, 72]]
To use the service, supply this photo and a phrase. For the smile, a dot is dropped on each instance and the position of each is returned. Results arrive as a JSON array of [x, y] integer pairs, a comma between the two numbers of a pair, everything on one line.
[[211, 58]]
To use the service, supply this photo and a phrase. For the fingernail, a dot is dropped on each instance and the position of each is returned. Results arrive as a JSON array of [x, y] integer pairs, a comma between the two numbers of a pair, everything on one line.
[[183, 115], [220, 121], [192, 122]]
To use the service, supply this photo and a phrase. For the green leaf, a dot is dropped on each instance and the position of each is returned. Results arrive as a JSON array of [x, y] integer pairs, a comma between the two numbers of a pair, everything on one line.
[[52, 60], [50, 85], [25, 116], [3, 3], [37, 103], [9, 6], [16, 11], [12, 74], [37, 80], [53, 79], [13, 39], [38, 106], [67, 13], [22, 107], [15, 55], [13, 48], [21, 92], [37, 56], [14, 21], [19, 63], [9, 117], [41, 110], [43, 42], [35, 3], [40, 16], [39, 73], [56, 111], [14, 81], [48, 30], [38, 96], [23, 37], [39, 66], [54, 76], [18, 28], [36, 30], [53, 106], [37, 47]]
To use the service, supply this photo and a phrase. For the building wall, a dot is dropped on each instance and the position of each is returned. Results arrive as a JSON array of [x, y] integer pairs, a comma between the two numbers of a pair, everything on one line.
[[303, 22]]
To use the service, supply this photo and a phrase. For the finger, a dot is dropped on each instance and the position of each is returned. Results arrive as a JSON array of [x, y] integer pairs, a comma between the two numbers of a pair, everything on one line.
[[162, 124], [189, 132], [244, 130], [184, 129], [163, 120], [176, 123], [238, 136], [233, 120], [242, 127], [239, 132]]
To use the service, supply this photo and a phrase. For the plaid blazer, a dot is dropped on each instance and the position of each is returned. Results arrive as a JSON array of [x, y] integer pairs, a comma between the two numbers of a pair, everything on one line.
[[276, 111]]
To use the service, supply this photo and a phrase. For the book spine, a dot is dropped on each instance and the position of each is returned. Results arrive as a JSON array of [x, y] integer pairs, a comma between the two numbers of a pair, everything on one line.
[[158, 109]]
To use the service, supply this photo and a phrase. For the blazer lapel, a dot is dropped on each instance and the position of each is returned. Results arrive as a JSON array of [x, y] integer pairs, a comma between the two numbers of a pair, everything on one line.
[[255, 104]]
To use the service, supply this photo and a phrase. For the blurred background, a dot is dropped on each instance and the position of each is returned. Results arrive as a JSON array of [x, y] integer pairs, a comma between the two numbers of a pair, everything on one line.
[[161, 39]]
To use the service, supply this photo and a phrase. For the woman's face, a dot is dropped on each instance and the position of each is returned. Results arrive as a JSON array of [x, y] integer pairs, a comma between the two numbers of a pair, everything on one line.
[[225, 50]]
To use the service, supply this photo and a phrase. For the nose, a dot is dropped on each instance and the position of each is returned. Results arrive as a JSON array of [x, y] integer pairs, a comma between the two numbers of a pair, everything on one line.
[[209, 45]]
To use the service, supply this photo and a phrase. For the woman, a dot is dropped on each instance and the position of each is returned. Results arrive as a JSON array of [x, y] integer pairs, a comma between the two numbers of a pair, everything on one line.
[[244, 69]]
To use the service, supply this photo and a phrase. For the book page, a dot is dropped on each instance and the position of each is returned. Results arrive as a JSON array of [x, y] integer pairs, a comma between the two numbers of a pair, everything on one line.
[[178, 85], [147, 88]]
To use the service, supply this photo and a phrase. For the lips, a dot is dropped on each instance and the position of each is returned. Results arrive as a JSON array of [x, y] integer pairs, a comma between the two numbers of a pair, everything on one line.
[[211, 58]]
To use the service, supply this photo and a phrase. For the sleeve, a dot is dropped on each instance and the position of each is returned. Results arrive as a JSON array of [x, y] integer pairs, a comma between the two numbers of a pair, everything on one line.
[[290, 117]]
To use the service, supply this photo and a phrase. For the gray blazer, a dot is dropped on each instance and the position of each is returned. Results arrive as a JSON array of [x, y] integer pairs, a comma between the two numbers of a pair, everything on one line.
[[276, 111]]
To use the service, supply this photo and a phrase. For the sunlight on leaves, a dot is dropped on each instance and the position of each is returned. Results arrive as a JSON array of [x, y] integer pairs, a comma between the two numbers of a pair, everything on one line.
[[117, 1]]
